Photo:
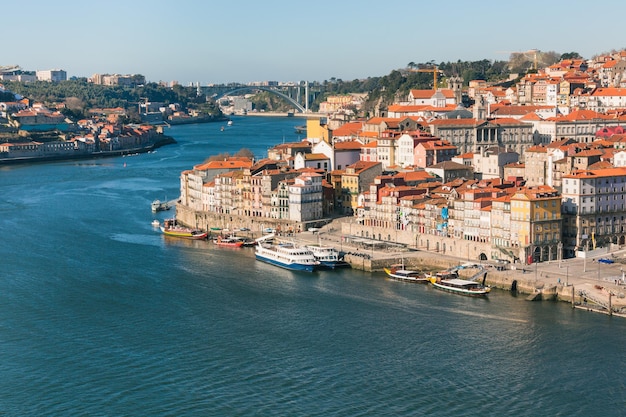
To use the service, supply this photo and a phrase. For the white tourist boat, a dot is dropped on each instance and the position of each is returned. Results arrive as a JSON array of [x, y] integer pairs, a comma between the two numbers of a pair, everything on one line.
[[285, 255], [327, 256]]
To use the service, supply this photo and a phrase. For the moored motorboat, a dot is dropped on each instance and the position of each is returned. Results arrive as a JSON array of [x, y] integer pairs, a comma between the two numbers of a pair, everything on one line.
[[460, 286], [171, 228], [285, 255], [158, 205]]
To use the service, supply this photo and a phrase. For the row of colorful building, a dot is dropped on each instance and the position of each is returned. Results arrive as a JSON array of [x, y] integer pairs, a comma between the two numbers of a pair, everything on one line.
[[518, 182]]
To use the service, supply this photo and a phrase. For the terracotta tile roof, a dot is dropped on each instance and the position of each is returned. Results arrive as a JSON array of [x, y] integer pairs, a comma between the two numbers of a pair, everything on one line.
[[531, 117], [609, 92], [598, 173], [536, 148], [349, 145], [411, 176], [315, 156], [577, 115], [601, 165], [588, 153], [228, 164], [368, 134], [348, 129], [406, 108]]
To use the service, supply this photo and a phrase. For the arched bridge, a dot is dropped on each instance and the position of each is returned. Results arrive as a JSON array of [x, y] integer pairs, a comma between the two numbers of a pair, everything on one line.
[[271, 90]]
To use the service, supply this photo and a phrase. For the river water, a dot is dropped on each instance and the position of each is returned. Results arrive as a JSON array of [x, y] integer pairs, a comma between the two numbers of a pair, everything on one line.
[[102, 315]]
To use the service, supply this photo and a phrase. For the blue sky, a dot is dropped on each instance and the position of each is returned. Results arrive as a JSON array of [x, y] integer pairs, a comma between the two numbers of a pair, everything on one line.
[[241, 41]]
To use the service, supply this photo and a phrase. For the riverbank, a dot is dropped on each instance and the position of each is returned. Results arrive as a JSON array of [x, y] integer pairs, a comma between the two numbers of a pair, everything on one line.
[[285, 114], [162, 141], [598, 287]]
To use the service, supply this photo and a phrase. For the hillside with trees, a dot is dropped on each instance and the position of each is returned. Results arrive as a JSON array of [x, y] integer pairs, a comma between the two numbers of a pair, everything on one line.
[[78, 96]]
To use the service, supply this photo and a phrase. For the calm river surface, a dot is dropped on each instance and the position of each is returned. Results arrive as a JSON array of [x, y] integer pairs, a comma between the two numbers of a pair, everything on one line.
[[101, 315]]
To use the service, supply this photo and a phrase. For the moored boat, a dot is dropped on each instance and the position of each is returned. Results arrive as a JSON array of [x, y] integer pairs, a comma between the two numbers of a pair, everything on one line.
[[170, 228], [228, 241], [285, 255], [158, 205], [398, 272], [327, 256], [460, 286]]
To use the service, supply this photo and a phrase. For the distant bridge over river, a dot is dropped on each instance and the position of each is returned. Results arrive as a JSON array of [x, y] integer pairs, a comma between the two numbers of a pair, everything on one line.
[[300, 95]]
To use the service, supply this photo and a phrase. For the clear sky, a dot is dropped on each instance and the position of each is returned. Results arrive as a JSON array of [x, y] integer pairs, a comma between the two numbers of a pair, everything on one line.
[[224, 41]]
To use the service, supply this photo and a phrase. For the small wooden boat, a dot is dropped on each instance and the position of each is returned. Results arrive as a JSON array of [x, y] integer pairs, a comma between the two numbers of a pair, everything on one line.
[[228, 241], [398, 272], [460, 286]]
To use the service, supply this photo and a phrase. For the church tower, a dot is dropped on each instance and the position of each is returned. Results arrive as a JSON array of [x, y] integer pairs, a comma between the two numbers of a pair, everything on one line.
[[479, 111], [455, 83]]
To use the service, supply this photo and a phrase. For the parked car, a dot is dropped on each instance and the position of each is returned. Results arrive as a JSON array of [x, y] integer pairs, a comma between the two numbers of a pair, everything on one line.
[[606, 260]]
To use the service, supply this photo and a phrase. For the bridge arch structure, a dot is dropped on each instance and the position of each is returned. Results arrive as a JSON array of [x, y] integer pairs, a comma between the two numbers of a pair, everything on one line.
[[297, 105]]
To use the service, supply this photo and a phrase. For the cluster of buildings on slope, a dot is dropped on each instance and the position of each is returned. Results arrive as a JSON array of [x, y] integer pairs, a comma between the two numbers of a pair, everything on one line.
[[103, 132], [15, 73], [525, 182]]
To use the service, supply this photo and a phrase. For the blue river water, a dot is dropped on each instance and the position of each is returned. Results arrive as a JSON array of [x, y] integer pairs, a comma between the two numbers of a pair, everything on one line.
[[100, 315]]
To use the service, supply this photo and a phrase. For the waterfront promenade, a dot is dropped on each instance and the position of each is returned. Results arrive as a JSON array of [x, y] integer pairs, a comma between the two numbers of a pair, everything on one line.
[[594, 285]]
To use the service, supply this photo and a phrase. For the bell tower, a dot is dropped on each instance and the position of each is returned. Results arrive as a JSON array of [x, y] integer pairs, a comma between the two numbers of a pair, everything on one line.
[[455, 83]]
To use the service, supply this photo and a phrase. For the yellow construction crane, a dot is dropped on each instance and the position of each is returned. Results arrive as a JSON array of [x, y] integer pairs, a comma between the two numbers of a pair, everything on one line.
[[434, 70]]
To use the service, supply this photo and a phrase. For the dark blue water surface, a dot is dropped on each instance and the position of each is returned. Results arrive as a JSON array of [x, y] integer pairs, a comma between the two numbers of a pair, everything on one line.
[[101, 315]]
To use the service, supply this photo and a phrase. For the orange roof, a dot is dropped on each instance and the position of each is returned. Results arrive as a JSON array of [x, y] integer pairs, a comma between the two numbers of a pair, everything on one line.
[[537, 148], [410, 176], [368, 134], [348, 129], [609, 91], [227, 164], [579, 115], [598, 173], [406, 108], [348, 145], [426, 94], [601, 165], [531, 117], [314, 156], [588, 153]]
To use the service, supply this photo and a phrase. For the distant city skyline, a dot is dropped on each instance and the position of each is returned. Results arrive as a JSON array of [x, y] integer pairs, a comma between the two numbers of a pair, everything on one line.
[[220, 42]]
